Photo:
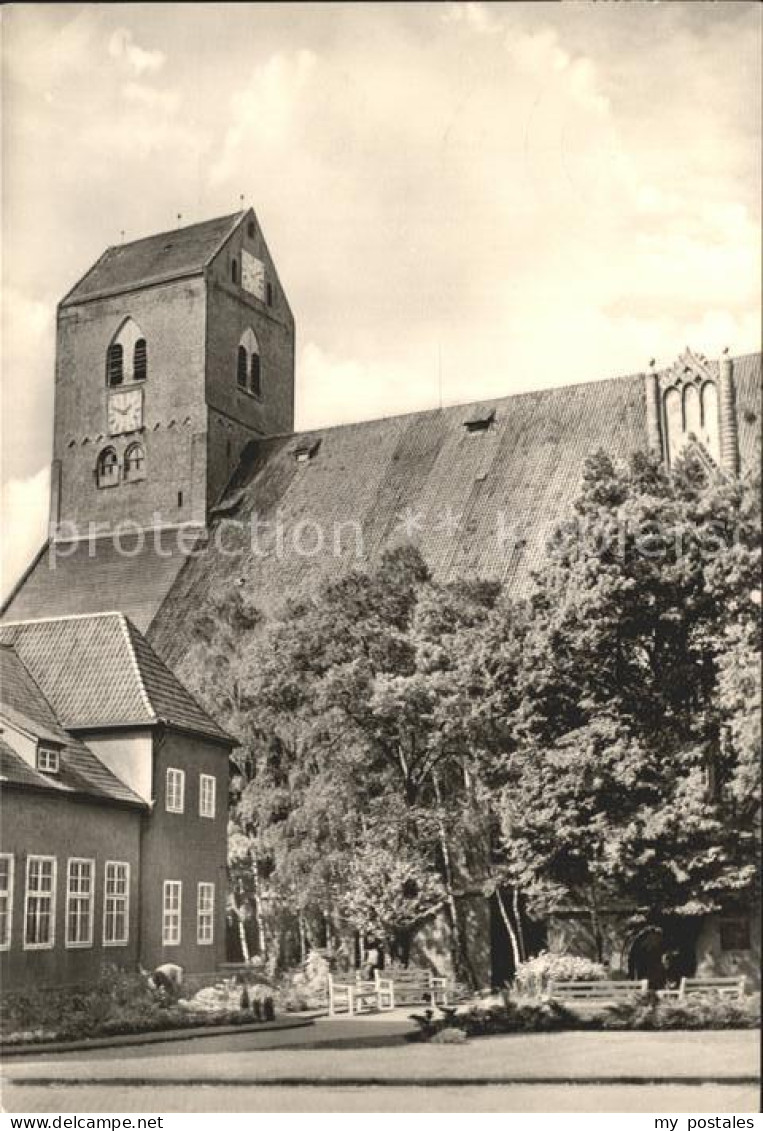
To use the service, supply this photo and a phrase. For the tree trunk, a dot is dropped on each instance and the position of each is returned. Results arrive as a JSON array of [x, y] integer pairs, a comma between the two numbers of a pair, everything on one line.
[[462, 963], [258, 909], [302, 941], [509, 929], [518, 923], [598, 936]]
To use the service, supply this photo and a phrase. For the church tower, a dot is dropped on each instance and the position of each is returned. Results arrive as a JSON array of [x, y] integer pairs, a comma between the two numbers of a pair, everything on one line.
[[173, 353]]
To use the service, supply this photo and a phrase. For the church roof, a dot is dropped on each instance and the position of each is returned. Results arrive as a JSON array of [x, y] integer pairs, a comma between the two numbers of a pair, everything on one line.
[[24, 707], [85, 576], [478, 488], [98, 672], [155, 259]]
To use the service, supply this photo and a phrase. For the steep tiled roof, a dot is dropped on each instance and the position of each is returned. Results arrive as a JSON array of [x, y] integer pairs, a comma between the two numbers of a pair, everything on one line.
[[99, 672], [23, 706], [86, 576], [749, 394], [156, 259], [478, 503]]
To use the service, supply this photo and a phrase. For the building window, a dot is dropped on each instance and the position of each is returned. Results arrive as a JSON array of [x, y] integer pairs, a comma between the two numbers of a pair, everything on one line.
[[107, 468], [175, 793], [255, 382], [140, 360], [241, 368], [47, 760], [735, 934], [115, 364], [269, 294], [172, 905], [6, 899], [205, 917], [250, 229], [248, 372], [234, 271], [79, 902], [116, 903], [40, 903], [207, 795], [135, 463]]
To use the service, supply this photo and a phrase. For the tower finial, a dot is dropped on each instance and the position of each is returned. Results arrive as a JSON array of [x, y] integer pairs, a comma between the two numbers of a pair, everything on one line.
[[180, 217]]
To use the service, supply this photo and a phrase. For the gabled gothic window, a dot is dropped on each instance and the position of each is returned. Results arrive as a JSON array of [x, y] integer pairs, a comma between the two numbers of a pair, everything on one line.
[[140, 360], [107, 468], [115, 364], [135, 462], [241, 369]]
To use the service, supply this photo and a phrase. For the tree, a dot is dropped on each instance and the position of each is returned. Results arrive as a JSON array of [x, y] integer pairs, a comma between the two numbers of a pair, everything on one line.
[[630, 753]]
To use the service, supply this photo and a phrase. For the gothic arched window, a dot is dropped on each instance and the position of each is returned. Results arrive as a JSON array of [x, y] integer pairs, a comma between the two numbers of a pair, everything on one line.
[[107, 468], [115, 364], [140, 360], [249, 371], [135, 462], [127, 355], [241, 368], [255, 383]]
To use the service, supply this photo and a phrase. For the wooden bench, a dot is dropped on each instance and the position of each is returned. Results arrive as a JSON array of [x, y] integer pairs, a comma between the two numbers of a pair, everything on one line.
[[732, 987], [412, 985], [360, 996], [600, 990]]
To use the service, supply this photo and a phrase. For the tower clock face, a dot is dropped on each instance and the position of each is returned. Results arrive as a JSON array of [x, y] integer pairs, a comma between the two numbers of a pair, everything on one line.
[[125, 411]]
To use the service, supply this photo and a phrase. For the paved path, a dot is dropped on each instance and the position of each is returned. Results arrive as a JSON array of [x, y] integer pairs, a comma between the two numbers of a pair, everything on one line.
[[707, 1098]]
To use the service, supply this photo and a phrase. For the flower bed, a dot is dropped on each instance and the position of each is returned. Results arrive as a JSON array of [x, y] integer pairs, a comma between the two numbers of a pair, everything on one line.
[[643, 1012], [119, 1004]]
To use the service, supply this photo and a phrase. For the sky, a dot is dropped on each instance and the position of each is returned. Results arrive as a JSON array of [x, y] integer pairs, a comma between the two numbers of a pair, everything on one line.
[[463, 200]]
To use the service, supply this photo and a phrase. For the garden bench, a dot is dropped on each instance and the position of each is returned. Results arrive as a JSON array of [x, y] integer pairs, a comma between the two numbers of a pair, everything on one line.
[[411, 985], [732, 987], [360, 996], [596, 991]]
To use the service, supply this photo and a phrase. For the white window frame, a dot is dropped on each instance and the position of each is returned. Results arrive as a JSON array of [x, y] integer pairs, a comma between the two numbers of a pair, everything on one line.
[[48, 760], [207, 782], [168, 936], [175, 792], [112, 896], [5, 943], [71, 896], [30, 860], [205, 914]]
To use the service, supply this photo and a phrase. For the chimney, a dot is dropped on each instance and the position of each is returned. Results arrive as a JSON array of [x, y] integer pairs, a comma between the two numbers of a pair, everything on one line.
[[728, 427]]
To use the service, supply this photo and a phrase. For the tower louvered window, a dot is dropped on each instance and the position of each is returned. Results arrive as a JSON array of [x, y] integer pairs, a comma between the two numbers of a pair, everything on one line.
[[140, 361], [256, 380], [115, 364], [241, 371]]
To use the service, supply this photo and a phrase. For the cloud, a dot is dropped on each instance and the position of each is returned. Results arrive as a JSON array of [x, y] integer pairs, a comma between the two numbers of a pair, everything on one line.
[[24, 519], [122, 46], [264, 109]]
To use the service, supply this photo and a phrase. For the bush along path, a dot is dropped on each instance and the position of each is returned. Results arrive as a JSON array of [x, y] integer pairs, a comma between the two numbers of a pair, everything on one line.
[[643, 1012], [120, 1004]]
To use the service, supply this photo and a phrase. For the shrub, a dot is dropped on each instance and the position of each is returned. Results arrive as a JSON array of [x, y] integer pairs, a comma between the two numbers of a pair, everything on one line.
[[117, 1003], [533, 976], [643, 1012], [647, 1011], [449, 1037]]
